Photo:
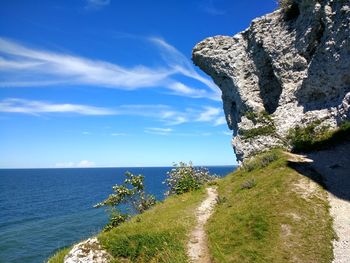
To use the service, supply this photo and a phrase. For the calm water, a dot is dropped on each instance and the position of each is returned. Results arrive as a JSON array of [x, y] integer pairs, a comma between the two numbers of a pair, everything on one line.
[[42, 210]]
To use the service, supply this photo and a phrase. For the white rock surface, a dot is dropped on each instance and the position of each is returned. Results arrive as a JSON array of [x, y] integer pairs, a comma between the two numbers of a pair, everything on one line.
[[88, 251], [295, 65]]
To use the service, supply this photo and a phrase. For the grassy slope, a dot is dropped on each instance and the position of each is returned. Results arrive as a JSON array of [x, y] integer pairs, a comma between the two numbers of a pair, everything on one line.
[[158, 235], [271, 222]]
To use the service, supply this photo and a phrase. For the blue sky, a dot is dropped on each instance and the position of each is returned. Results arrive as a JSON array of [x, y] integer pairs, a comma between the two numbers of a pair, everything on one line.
[[111, 83]]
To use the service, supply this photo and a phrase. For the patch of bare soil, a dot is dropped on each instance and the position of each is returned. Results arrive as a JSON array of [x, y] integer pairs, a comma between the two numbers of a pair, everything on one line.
[[197, 247]]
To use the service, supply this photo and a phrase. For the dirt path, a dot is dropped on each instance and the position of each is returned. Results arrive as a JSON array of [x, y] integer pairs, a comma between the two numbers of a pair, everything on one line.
[[197, 247], [334, 166]]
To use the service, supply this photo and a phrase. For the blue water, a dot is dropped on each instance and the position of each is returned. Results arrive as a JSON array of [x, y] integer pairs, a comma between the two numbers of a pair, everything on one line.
[[42, 210]]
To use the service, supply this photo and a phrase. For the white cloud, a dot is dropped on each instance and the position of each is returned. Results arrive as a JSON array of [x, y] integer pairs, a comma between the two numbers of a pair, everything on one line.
[[162, 113], [85, 164], [159, 131], [34, 107], [181, 64], [220, 121], [81, 164], [54, 67], [118, 134], [86, 133], [181, 89], [227, 133], [96, 4], [25, 67], [209, 114]]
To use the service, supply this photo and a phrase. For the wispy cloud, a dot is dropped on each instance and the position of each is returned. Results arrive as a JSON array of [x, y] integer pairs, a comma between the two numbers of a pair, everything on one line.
[[209, 7], [34, 107], [96, 4], [81, 164], [158, 112], [209, 114], [159, 131], [220, 121], [119, 134], [181, 64], [213, 115], [85, 164], [21, 66]]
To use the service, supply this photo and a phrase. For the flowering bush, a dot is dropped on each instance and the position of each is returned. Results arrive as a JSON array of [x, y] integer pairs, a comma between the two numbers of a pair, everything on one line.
[[132, 194], [184, 178]]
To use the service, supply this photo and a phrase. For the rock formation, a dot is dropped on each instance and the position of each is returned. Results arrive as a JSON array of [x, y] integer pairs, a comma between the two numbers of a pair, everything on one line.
[[88, 251], [288, 69]]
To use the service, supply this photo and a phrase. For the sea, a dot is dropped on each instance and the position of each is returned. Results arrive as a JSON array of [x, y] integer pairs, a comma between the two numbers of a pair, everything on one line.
[[43, 210]]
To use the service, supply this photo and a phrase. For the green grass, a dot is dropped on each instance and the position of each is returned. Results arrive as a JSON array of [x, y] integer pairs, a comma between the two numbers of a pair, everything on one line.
[[158, 235], [58, 257], [269, 222], [316, 137], [260, 217]]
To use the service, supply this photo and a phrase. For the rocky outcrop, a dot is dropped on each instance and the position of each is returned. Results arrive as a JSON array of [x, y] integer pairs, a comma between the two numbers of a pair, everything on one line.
[[88, 251], [289, 68]]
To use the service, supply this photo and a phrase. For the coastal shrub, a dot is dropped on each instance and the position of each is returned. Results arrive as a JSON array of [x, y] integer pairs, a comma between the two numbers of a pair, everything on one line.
[[185, 178], [116, 218], [316, 136], [132, 195]]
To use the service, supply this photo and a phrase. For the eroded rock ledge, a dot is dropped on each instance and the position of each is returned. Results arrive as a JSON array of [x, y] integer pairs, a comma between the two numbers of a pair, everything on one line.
[[289, 68]]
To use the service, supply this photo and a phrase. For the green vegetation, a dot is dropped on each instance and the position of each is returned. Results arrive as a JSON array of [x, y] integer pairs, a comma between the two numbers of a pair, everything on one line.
[[261, 160], [184, 178], [263, 218], [158, 235], [58, 257], [267, 126], [262, 215], [316, 137], [261, 117], [132, 194]]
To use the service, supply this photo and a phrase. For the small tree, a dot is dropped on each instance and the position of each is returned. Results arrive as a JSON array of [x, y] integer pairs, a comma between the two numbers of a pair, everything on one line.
[[132, 194], [184, 178]]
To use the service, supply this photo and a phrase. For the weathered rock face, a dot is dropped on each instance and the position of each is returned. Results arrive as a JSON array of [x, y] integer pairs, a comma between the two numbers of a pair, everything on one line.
[[88, 251], [289, 68]]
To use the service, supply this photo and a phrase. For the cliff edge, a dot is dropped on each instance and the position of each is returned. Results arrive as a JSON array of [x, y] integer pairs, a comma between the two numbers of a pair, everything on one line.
[[289, 68]]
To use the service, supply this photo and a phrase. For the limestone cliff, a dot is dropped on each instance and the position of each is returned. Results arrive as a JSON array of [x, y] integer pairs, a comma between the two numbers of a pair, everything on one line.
[[288, 68]]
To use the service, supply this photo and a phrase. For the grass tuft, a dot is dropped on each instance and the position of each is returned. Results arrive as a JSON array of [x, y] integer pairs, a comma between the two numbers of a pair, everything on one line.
[[250, 183], [260, 161]]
